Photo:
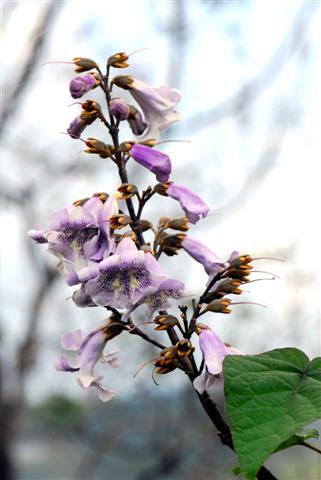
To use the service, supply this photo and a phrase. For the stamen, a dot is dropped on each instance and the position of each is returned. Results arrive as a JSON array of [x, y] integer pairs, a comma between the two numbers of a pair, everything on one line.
[[137, 51], [75, 103], [173, 141], [144, 365], [268, 273], [48, 63], [248, 303], [258, 280], [154, 377], [269, 258], [138, 325]]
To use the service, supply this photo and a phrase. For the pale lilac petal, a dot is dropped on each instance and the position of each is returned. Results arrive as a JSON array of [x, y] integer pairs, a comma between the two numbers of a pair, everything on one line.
[[81, 299], [193, 206], [155, 161], [81, 85], [37, 235], [202, 254], [89, 272], [200, 383], [61, 364], [81, 217], [88, 355], [104, 394], [94, 205], [71, 340], [58, 220]]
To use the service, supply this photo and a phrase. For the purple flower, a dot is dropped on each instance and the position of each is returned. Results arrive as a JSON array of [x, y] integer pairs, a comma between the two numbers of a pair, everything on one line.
[[81, 85], [157, 104], [88, 352], [157, 162], [76, 127], [119, 109], [79, 237], [214, 351], [129, 278], [193, 206], [203, 255]]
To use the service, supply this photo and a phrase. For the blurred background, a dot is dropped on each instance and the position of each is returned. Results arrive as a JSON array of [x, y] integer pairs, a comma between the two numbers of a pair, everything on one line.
[[250, 81]]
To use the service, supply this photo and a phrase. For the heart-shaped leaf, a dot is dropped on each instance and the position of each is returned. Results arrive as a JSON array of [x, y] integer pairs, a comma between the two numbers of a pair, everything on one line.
[[269, 397]]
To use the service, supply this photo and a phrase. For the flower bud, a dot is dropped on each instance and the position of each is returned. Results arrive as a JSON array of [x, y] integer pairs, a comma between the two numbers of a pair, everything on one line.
[[81, 85], [145, 225], [99, 148], [161, 188], [80, 202], [170, 244], [103, 196], [184, 348], [119, 109], [119, 60], [117, 222], [84, 64], [114, 327], [135, 120], [180, 224], [165, 321], [229, 286], [127, 190], [219, 306], [123, 81], [91, 106], [76, 127], [163, 222]]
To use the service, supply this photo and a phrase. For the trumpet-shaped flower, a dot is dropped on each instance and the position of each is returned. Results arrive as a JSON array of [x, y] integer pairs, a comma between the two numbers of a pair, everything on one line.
[[157, 162], [89, 351], [79, 237], [129, 278], [193, 206], [214, 351], [203, 255], [157, 104]]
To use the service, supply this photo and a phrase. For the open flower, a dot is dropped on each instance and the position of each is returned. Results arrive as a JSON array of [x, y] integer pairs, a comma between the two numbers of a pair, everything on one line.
[[157, 104], [82, 84], [88, 352], [129, 278], [157, 162], [203, 255], [79, 237], [193, 206], [214, 351]]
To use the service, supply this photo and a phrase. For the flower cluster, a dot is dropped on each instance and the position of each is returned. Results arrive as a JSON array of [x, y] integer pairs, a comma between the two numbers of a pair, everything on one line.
[[111, 253]]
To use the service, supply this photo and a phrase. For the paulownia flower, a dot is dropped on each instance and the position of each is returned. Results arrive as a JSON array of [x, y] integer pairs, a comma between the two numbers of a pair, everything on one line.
[[89, 351], [202, 254], [81, 85], [157, 104], [214, 351], [79, 237], [130, 278], [157, 162], [193, 206]]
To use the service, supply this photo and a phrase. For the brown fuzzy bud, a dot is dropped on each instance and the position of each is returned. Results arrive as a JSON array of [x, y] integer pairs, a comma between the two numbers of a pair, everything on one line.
[[161, 188], [127, 190], [114, 327], [184, 348], [170, 244], [84, 64], [167, 369], [150, 142], [219, 306], [180, 223], [145, 225], [229, 286], [103, 196], [99, 148], [165, 321], [117, 222], [123, 81], [80, 202], [119, 60], [163, 222], [241, 262]]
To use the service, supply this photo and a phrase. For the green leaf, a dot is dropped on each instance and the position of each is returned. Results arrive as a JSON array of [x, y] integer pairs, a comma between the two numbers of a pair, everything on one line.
[[298, 439], [269, 397]]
